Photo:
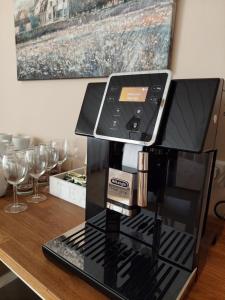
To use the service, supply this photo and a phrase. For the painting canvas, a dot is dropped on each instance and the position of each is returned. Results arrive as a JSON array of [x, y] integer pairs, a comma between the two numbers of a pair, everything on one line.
[[91, 38]]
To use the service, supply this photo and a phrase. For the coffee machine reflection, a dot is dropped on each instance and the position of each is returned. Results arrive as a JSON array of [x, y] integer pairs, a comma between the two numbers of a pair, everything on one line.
[[150, 161]]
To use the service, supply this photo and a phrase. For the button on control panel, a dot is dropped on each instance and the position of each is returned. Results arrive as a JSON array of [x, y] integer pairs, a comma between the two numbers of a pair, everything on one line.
[[116, 111], [139, 111], [115, 124], [155, 100], [133, 124], [157, 88], [111, 99]]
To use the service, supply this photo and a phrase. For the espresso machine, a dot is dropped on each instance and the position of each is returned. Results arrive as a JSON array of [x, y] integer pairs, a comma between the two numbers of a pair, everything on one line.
[[150, 161]]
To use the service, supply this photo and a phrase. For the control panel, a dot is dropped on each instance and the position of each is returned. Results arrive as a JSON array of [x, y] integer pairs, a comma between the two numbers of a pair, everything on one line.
[[132, 107]]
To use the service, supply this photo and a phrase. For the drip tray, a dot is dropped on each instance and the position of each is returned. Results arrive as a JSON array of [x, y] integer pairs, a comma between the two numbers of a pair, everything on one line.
[[175, 246], [122, 267]]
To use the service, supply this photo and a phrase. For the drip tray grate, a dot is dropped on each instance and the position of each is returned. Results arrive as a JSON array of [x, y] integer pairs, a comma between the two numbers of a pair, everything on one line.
[[175, 246], [122, 266]]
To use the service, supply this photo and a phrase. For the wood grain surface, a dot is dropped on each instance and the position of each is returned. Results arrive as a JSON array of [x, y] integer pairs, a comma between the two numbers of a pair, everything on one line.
[[21, 237]]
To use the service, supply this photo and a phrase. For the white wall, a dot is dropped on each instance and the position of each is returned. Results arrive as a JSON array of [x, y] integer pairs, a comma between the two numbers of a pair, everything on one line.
[[46, 109], [199, 47]]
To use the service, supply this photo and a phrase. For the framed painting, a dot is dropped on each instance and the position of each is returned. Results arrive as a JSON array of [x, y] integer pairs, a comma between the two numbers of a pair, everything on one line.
[[58, 39]]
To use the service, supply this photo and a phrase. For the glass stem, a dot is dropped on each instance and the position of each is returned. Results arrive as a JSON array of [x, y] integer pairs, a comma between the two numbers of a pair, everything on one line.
[[15, 199], [36, 187], [48, 176], [60, 168]]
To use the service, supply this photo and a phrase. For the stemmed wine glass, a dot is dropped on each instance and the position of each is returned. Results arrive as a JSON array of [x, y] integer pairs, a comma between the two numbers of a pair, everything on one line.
[[62, 146], [15, 168], [53, 157], [37, 164]]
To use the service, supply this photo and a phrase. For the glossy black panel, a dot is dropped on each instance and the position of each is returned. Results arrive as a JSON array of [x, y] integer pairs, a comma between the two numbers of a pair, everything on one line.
[[186, 122], [122, 267], [151, 255], [90, 108], [191, 106], [132, 119], [97, 170], [175, 246], [179, 201], [183, 206]]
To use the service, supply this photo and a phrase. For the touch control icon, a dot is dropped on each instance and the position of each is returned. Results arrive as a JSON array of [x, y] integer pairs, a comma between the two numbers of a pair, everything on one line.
[[116, 112], [111, 99], [133, 124], [115, 124], [156, 88], [139, 111]]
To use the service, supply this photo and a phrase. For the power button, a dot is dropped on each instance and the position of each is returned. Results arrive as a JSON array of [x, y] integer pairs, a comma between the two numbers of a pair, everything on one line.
[[133, 124]]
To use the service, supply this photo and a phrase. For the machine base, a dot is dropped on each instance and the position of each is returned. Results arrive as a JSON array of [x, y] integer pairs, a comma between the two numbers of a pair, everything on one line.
[[121, 266]]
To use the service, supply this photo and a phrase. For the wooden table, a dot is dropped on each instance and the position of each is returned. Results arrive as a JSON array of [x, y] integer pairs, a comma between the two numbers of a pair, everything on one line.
[[21, 237]]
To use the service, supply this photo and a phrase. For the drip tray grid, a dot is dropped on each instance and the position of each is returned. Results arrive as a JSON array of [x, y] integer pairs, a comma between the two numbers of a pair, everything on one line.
[[175, 246], [121, 266]]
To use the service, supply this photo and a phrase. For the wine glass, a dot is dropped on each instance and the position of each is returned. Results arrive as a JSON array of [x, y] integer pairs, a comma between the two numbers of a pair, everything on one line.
[[37, 164], [62, 146], [4, 145], [53, 157], [15, 168]]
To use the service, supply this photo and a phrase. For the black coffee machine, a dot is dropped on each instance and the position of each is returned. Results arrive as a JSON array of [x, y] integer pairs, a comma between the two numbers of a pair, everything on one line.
[[150, 161]]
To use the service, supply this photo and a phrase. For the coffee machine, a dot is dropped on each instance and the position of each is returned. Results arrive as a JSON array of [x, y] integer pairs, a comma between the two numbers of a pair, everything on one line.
[[150, 160]]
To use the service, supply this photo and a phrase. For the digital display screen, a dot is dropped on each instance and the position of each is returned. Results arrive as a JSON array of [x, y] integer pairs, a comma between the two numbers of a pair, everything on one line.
[[133, 94]]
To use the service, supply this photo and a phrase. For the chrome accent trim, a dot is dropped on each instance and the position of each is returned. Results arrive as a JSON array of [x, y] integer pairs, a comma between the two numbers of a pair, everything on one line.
[[7, 278], [119, 193], [142, 187], [142, 161], [157, 123], [119, 209], [187, 285]]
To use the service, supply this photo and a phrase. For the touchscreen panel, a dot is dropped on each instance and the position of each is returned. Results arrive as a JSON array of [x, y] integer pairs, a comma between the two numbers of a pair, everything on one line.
[[132, 107], [133, 94]]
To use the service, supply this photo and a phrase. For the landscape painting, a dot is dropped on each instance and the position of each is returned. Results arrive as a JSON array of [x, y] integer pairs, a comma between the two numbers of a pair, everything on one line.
[[58, 39]]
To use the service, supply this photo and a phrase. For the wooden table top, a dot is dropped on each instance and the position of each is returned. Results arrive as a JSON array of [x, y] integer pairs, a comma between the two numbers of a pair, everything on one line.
[[21, 237]]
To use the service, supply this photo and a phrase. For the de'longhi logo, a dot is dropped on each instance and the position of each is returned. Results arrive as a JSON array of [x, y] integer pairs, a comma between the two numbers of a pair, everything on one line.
[[120, 182]]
